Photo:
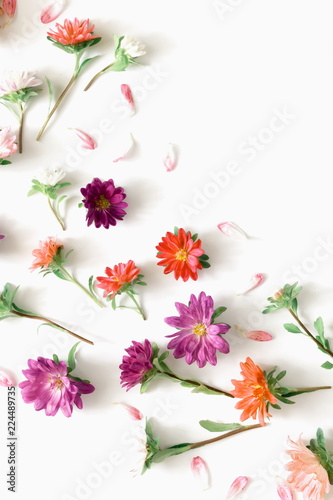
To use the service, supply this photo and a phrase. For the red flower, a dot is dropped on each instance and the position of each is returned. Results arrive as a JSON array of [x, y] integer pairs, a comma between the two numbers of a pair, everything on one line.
[[73, 33], [117, 277], [179, 253]]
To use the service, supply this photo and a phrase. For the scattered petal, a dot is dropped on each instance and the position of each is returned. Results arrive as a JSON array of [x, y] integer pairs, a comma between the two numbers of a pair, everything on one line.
[[133, 412], [200, 471], [285, 492], [258, 335], [256, 280], [170, 158], [127, 93], [126, 149], [237, 486], [6, 380], [87, 141], [51, 11], [9, 6], [231, 230]]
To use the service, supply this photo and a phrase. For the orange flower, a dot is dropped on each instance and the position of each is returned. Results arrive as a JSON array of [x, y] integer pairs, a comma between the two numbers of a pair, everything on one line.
[[45, 253], [179, 253], [307, 475], [253, 391], [117, 277], [73, 33]]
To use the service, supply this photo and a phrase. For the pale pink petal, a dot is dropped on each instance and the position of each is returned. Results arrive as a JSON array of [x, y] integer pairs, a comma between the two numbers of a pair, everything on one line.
[[51, 11], [200, 471], [127, 93], [133, 412], [169, 160], [9, 6], [231, 230], [237, 486], [126, 150], [6, 380], [258, 335], [256, 280], [285, 492], [87, 141]]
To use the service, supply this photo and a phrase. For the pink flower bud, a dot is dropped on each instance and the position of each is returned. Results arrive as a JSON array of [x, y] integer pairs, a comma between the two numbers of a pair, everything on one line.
[[87, 141], [51, 11], [258, 335], [256, 280], [133, 412], [285, 492], [127, 93], [200, 471], [279, 294], [237, 486], [6, 379], [231, 230]]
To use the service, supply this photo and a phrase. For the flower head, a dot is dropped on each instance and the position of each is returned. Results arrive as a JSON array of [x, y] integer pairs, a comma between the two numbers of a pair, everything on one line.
[[197, 338], [50, 176], [132, 47], [307, 469], [7, 143], [119, 275], [2, 236], [104, 202], [137, 364], [50, 388], [44, 255], [16, 81], [7, 12], [253, 391], [180, 253], [73, 33]]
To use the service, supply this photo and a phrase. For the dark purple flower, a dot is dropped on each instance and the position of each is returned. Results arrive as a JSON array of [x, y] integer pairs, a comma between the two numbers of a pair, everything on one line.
[[104, 202], [50, 389], [135, 366], [2, 236], [198, 338]]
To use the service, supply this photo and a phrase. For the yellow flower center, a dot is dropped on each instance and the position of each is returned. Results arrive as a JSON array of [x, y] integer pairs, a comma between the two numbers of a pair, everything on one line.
[[58, 383], [182, 254], [200, 330], [102, 203]]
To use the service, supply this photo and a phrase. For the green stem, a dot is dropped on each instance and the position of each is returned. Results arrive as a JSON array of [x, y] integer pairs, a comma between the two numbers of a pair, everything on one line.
[[138, 308], [311, 389], [197, 384], [21, 120], [61, 222], [98, 75], [309, 334], [73, 280], [41, 318], [223, 436]]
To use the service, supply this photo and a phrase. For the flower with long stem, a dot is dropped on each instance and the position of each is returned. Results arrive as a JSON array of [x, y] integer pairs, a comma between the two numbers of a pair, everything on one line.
[[73, 37], [8, 146], [9, 309], [286, 298], [49, 258], [122, 278], [48, 183], [16, 90], [127, 50]]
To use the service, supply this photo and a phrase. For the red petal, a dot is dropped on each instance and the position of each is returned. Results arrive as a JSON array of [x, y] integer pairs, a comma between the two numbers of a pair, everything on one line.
[[258, 335]]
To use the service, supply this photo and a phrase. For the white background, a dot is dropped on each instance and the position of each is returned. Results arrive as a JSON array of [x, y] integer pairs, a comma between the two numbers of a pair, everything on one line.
[[213, 77]]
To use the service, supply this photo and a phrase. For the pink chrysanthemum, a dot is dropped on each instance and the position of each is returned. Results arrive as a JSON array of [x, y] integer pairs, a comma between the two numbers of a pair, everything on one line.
[[73, 32], [135, 366], [7, 143]]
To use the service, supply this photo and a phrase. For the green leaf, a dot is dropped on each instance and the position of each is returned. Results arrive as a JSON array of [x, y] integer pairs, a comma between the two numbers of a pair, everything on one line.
[[327, 365], [269, 309], [204, 264], [175, 231], [204, 390], [211, 426], [319, 326], [71, 363], [170, 452], [90, 285], [85, 62], [294, 305], [59, 274], [195, 237], [4, 162], [281, 375], [56, 359], [113, 303], [290, 327], [51, 93], [218, 311]]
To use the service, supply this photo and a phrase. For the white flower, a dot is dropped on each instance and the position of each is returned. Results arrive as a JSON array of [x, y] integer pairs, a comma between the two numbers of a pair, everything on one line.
[[17, 80], [140, 450], [132, 47], [50, 176]]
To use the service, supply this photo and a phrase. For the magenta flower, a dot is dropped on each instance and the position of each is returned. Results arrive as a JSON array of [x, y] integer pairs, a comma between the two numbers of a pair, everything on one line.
[[197, 338], [104, 202], [137, 364], [2, 236], [50, 387]]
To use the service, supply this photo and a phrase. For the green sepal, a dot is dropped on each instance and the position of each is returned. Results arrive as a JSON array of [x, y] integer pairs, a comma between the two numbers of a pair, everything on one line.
[[287, 300], [4, 162], [218, 311], [59, 274], [175, 231], [74, 48], [71, 363], [203, 259], [212, 426], [318, 447], [56, 359]]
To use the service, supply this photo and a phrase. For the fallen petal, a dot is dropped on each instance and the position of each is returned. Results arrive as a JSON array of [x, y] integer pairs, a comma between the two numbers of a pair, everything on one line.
[[133, 412], [87, 141], [51, 11], [6, 380], [256, 280], [169, 160], [9, 6], [231, 230], [237, 486], [127, 149], [285, 492], [200, 471], [127, 93], [258, 335]]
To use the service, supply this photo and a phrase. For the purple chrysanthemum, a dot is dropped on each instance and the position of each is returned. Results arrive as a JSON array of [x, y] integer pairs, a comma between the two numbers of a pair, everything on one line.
[[104, 202], [50, 389], [198, 338], [2, 236], [135, 366]]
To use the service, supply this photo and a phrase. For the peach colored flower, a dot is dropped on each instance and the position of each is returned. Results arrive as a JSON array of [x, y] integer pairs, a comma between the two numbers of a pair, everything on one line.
[[307, 475], [73, 32], [45, 254], [117, 277], [253, 391]]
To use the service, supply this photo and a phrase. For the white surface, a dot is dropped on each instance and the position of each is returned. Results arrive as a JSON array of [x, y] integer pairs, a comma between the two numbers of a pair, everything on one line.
[[220, 79]]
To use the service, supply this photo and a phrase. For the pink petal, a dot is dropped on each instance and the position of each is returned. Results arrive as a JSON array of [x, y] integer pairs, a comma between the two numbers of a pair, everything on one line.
[[284, 492], [169, 160], [9, 6], [256, 280], [133, 412], [87, 141], [6, 380], [258, 335], [237, 486], [127, 149], [200, 471], [51, 11], [231, 230], [127, 93]]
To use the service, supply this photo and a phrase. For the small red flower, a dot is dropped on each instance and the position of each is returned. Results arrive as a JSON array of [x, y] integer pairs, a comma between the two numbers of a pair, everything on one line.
[[73, 32], [117, 277]]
